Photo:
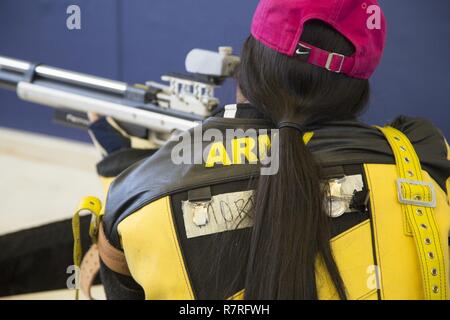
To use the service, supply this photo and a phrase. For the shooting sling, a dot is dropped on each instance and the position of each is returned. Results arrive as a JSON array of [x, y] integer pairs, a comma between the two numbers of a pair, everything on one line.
[[89, 266], [418, 200]]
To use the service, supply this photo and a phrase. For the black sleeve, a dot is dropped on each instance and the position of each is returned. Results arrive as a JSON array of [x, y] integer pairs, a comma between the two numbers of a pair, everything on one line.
[[113, 164], [119, 287], [36, 259]]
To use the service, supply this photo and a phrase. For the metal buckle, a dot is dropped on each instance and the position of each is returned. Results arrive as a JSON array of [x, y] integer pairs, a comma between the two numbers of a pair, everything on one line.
[[402, 199], [330, 60]]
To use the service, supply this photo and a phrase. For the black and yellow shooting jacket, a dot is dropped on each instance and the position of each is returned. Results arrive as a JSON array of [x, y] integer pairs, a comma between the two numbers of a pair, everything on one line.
[[392, 244]]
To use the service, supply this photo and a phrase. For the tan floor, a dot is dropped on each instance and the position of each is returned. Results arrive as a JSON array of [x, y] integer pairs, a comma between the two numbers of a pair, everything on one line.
[[42, 179]]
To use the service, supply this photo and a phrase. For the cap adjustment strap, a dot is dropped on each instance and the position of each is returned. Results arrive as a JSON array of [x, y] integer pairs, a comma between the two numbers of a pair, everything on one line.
[[332, 61]]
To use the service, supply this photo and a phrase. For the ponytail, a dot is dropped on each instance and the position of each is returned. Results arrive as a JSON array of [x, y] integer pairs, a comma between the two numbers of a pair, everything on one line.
[[291, 228], [291, 231]]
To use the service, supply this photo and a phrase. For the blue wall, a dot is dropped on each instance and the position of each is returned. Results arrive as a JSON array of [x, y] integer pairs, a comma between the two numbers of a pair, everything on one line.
[[140, 40]]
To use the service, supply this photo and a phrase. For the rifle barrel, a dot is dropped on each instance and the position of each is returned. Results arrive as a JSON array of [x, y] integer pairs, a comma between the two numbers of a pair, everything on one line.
[[68, 90], [57, 74]]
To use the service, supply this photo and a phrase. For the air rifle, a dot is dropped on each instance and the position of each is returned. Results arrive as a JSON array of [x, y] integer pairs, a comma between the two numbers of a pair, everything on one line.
[[164, 109]]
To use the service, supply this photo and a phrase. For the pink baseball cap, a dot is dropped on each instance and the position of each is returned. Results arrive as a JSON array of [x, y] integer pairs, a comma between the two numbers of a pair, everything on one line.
[[278, 24]]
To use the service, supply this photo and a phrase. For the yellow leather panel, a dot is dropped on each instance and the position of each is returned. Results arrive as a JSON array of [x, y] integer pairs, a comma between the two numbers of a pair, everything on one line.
[[353, 254], [106, 182], [153, 253], [237, 296], [448, 191], [307, 137], [448, 180], [372, 295]]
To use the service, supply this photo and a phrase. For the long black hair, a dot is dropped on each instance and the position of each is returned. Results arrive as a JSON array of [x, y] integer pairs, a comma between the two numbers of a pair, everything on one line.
[[291, 227]]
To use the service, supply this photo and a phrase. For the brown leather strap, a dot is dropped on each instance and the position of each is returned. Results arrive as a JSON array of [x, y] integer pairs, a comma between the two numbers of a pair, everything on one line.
[[89, 269], [113, 258]]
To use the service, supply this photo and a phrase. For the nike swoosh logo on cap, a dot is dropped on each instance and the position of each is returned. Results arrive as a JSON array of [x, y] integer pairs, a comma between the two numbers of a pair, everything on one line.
[[301, 52]]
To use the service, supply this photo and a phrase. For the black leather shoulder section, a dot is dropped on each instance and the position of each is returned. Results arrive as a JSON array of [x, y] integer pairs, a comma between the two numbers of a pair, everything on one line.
[[116, 162], [430, 145], [334, 144], [353, 142], [158, 175]]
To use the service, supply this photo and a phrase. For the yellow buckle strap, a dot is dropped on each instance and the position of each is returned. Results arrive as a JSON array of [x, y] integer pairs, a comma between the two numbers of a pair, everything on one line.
[[93, 206], [417, 199]]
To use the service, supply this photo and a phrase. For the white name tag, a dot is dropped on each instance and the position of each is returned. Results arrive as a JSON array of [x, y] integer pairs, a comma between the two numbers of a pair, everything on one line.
[[224, 212]]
